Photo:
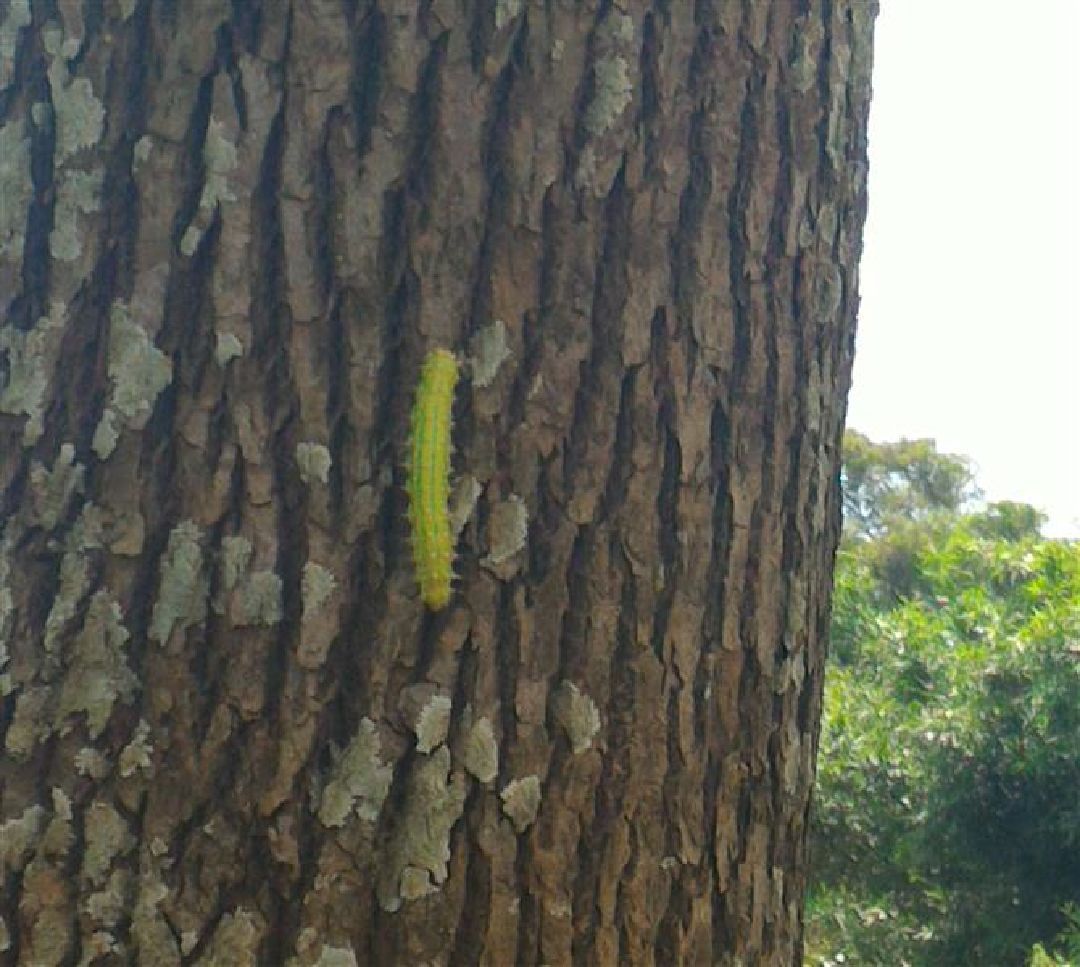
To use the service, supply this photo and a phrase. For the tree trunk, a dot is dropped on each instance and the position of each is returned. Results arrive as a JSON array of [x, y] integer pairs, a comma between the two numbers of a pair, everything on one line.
[[230, 233]]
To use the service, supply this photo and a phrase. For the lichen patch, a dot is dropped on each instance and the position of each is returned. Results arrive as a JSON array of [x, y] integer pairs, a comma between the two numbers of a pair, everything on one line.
[[138, 369], [480, 752], [360, 780], [181, 600], [98, 674], [578, 715], [417, 858], [136, 755], [16, 187], [521, 801], [433, 723], [18, 836], [313, 461], [107, 836], [31, 356], [488, 350], [508, 531], [316, 586]]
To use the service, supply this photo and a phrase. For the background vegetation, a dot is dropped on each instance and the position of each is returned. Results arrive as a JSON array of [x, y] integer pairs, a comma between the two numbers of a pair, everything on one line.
[[947, 811]]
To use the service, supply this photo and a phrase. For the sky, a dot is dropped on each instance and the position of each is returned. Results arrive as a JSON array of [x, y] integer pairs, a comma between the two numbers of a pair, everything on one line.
[[969, 325]]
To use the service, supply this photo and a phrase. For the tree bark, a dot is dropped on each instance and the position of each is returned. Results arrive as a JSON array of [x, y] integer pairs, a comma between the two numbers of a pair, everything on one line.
[[229, 235]]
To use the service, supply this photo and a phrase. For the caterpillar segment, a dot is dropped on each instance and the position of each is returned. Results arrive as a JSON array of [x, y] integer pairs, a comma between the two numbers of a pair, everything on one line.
[[429, 478]]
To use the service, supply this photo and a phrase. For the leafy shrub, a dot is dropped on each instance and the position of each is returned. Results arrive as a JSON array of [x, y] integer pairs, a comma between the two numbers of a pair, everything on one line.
[[947, 815]]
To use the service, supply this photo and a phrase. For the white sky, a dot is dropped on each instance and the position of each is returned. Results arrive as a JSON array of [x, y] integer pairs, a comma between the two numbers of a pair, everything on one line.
[[969, 328]]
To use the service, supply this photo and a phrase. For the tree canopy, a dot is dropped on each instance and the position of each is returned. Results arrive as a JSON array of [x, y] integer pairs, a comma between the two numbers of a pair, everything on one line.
[[947, 824], [887, 483]]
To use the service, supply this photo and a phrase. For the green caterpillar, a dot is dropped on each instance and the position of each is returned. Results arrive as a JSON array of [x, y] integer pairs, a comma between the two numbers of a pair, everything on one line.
[[429, 473]]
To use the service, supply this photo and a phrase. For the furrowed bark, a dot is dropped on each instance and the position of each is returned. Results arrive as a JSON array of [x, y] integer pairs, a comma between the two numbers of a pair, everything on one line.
[[229, 235]]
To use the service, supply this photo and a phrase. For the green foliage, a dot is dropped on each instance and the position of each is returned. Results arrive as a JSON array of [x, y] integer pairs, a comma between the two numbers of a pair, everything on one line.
[[947, 817], [1067, 945], [1009, 521], [906, 481]]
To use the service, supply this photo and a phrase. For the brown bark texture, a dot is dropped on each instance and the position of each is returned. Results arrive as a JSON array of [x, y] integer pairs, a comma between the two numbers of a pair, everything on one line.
[[230, 233]]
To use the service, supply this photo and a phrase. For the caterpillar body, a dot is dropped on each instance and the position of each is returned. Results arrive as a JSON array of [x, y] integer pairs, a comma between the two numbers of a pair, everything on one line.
[[429, 472]]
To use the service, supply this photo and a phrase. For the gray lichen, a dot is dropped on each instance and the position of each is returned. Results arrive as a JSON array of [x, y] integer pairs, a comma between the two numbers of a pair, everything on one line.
[[80, 116], [181, 600], [77, 193], [328, 956], [151, 933], [59, 834], [228, 348], [808, 39], [828, 292], [6, 604], [51, 491], [16, 187], [91, 762], [508, 529], [836, 130], [617, 28], [488, 350], [506, 11], [521, 801], [107, 837], [5, 937], [463, 498], [106, 435], [18, 837], [432, 723], [189, 241], [252, 599], [258, 600], [480, 752], [316, 586], [613, 85], [138, 369], [236, 551], [18, 17], [360, 780], [313, 460], [612, 92], [235, 942], [74, 583], [27, 724], [136, 755], [336, 957], [577, 714], [48, 935], [98, 674], [219, 158], [417, 858], [614, 77], [31, 357], [74, 579], [140, 153]]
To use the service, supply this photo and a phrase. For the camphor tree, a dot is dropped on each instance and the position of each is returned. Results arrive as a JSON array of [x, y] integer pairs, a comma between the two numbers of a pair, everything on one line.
[[230, 234]]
